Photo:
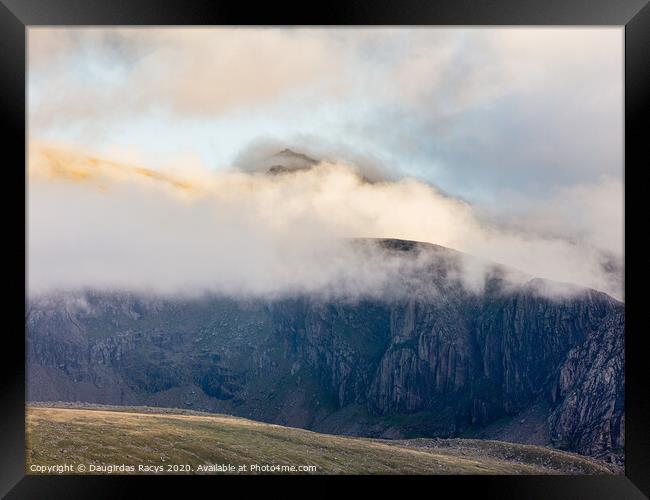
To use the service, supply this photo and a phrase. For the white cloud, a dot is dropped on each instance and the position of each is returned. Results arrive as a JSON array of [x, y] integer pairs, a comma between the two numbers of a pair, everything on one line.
[[97, 224], [527, 121]]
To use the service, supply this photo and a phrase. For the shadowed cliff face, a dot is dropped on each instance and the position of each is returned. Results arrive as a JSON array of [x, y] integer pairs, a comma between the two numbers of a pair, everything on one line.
[[589, 390], [442, 364]]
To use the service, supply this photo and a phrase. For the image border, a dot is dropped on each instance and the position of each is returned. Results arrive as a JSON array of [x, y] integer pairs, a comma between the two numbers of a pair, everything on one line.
[[17, 15]]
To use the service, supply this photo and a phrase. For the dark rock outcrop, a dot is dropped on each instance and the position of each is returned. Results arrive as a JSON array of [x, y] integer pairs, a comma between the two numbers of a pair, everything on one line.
[[590, 391]]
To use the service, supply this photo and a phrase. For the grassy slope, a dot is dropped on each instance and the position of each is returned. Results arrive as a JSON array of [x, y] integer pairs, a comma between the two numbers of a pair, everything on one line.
[[135, 436]]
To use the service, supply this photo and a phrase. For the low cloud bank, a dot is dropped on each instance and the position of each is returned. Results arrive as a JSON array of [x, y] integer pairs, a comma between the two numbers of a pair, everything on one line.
[[101, 225]]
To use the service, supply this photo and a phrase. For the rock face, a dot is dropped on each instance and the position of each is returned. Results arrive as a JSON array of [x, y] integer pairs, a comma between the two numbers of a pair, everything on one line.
[[410, 366], [590, 391]]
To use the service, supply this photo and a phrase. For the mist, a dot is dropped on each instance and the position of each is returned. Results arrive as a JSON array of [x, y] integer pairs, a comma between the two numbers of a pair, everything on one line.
[[94, 224]]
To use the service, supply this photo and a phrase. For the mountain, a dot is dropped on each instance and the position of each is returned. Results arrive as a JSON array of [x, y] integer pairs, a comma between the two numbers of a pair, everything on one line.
[[230, 445], [279, 162], [534, 362], [289, 161]]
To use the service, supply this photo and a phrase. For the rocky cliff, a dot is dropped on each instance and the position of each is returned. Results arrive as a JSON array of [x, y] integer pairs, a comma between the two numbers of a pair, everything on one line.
[[443, 364]]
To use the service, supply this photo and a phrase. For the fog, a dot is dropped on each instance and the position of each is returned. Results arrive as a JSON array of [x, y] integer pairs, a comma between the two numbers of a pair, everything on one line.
[[101, 225]]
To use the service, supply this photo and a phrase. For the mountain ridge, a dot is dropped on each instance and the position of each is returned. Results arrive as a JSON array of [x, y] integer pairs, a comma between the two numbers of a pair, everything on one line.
[[428, 366]]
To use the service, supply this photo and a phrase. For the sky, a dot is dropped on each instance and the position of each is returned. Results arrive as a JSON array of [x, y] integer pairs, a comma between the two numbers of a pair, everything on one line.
[[523, 127]]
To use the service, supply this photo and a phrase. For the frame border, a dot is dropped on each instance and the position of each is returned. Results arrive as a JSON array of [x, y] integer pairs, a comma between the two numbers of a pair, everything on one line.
[[16, 15]]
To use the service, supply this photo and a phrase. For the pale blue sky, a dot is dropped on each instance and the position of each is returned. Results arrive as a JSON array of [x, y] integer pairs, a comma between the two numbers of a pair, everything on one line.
[[494, 116]]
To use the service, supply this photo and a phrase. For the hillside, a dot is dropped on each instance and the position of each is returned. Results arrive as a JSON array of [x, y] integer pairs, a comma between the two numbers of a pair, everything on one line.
[[156, 437], [444, 364]]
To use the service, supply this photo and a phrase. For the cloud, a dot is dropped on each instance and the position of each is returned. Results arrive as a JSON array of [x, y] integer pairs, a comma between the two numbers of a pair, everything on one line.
[[456, 96], [93, 223], [106, 75], [505, 143], [588, 212]]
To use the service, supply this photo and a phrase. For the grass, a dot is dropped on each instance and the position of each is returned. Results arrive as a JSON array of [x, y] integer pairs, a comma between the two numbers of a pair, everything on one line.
[[146, 436]]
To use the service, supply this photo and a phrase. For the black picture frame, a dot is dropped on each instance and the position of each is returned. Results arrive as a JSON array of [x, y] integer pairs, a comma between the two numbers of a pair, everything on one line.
[[17, 15]]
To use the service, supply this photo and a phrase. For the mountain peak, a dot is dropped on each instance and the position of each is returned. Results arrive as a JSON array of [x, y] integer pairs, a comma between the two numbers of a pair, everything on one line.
[[290, 153], [288, 160]]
